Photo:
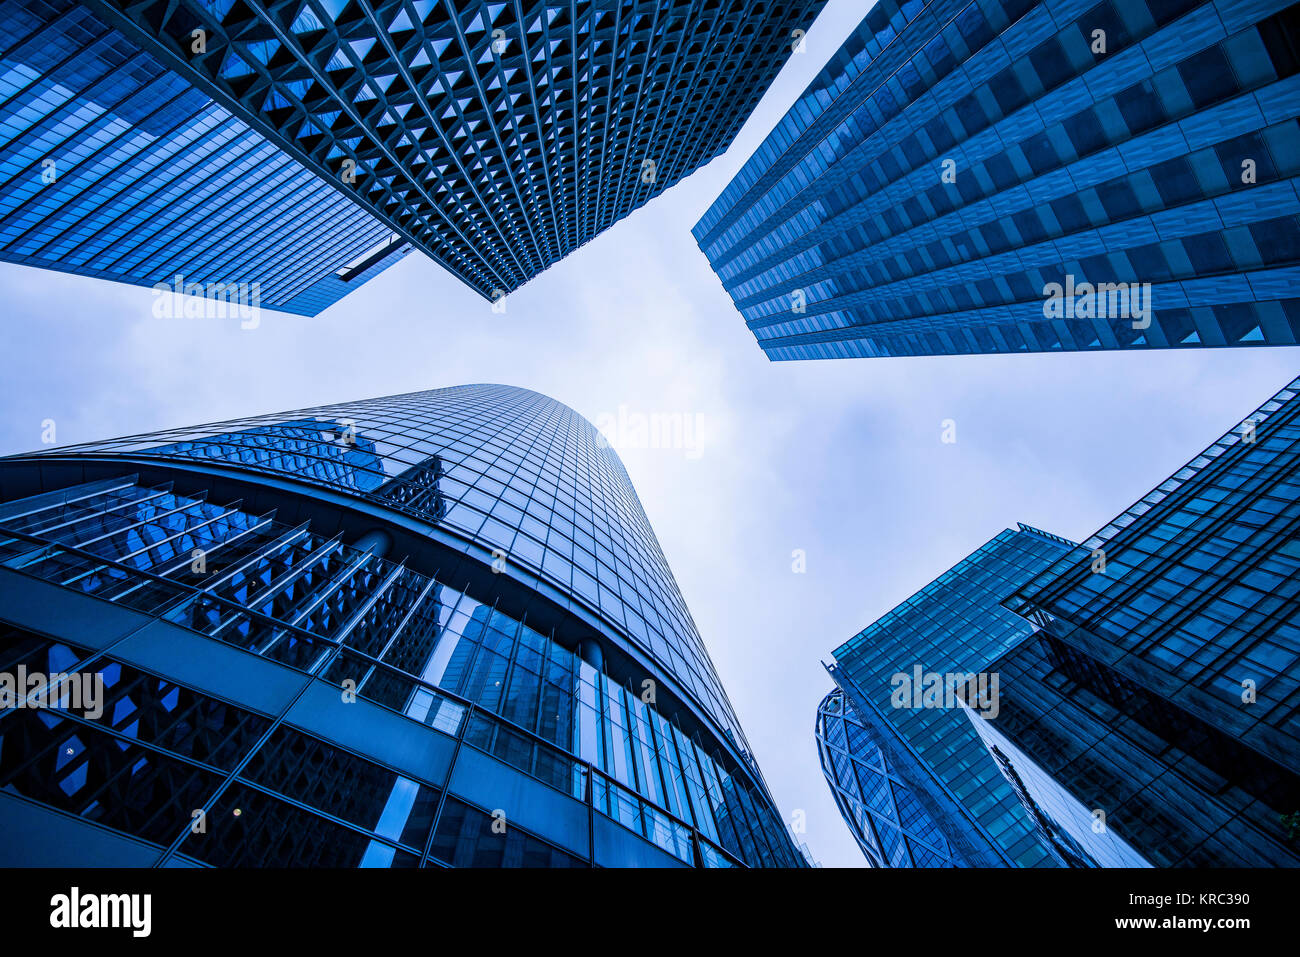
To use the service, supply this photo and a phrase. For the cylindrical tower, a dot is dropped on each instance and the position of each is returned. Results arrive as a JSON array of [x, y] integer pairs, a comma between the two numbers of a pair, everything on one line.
[[891, 826], [432, 628]]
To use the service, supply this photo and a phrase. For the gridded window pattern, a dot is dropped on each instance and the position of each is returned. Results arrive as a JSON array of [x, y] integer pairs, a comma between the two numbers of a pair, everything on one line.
[[890, 826], [518, 474], [1201, 579], [270, 795], [399, 639], [114, 167], [1062, 821], [1175, 791], [1184, 613], [496, 136], [955, 625], [956, 159]]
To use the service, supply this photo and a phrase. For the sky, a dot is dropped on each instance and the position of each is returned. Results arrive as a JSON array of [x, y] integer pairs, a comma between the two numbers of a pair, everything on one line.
[[842, 461]]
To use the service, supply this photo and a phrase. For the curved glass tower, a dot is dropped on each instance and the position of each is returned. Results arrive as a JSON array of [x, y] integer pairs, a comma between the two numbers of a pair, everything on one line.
[[429, 629], [890, 825]]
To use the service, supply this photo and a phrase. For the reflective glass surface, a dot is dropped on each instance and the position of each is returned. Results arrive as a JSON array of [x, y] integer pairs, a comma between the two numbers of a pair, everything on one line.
[[955, 159], [511, 470], [438, 650], [889, 824], [956, 625], [1163, 676], [114, 167]]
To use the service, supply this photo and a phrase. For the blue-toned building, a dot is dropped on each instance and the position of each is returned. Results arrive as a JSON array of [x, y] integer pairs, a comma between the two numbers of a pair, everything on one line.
[[423, 630], [902, 677], [114, 167], [1152, 716], [1075, 833], [1000, 176], [306, 145], [891, 826]]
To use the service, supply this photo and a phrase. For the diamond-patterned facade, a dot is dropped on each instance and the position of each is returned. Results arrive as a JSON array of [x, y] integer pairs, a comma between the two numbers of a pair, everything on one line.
[[497, 137]]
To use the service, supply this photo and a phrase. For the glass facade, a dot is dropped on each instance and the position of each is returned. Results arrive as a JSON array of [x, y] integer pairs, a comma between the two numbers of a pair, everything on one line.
[[950, 630], [989, 176], [891, 826], [1160, 687], [116, 168], [495, 136], [320, 645], [1061, 821]]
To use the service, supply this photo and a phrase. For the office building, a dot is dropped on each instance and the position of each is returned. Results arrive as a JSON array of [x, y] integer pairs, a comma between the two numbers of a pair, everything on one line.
[[422, 630], [1007, 176], [901, 676], [1151, 718], [286, 152], [116, 168]]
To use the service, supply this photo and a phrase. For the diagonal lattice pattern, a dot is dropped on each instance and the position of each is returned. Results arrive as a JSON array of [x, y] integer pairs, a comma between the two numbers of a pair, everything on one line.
[[498, 137], [891, 828]]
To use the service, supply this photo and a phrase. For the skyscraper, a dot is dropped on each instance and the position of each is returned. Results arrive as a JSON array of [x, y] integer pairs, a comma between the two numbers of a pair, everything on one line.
[[1021, 176], [1152, 716], [891, 827], [307, 144], [434, 629], [114, 167], [900, 676]]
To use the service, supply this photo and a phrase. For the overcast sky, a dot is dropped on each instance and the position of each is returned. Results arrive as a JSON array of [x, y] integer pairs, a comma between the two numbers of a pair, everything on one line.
[[840, 459]]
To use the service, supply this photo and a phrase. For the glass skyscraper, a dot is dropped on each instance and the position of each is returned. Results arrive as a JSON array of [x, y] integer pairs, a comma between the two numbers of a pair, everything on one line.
[[890, 825], [429, 629], [1000, 176], [959, 805], [1153, 714], [306, 145], [116, 168]]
